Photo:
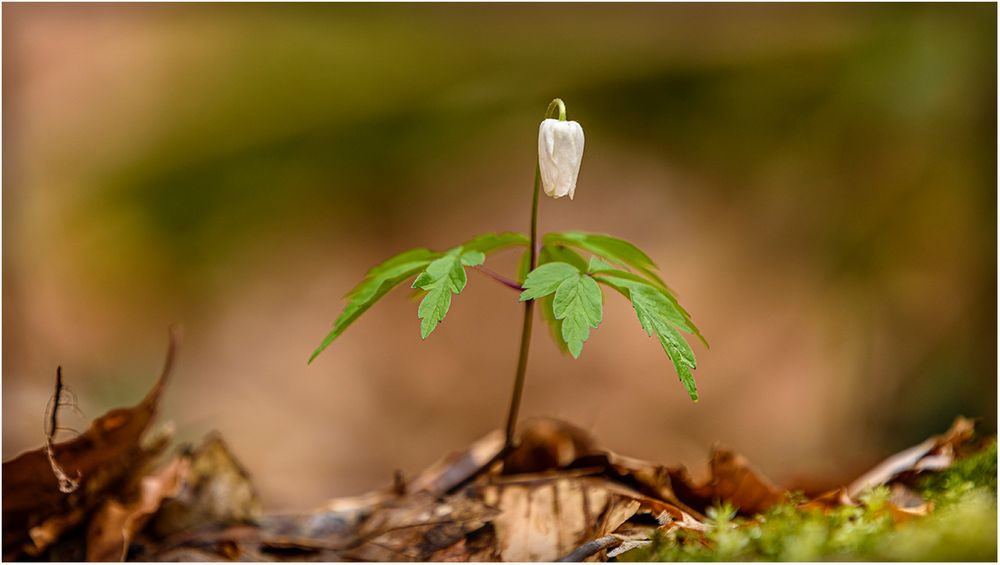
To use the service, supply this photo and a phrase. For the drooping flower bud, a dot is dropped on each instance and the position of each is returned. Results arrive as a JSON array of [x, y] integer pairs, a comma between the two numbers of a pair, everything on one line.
[[560, 150]]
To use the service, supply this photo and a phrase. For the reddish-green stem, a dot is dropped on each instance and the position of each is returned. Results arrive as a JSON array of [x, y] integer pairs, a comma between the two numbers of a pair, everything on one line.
[[529, 309]]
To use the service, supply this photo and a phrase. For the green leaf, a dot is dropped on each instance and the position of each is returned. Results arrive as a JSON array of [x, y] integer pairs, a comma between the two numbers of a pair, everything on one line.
[[523, 266], [681, 355], [549, 254], [577, 302], [562, 254], [553, 323], [611, 248], [489, 242], [544, 303], [377, 283], [442, 278], [546, 279], [622, 280], [658, 315], [597, 265], [473, 258], [412, 256], [617, 251]]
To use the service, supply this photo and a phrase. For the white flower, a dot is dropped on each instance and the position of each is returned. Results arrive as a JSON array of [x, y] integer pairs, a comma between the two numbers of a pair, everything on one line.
[[560, 150]]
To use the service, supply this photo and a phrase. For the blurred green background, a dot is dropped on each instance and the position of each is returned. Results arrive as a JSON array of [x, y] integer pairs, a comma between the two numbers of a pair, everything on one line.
[[818, 182]]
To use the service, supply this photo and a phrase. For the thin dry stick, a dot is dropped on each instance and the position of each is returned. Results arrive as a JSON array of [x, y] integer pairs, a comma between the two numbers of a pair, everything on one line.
[[53, 421], [66, 483]]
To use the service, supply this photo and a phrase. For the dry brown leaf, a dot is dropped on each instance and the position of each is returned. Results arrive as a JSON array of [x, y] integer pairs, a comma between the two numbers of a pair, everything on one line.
[[545, 517], [933, 454], [414, 527], [116, 523], [736, 481], [733, 479], [533, 526]]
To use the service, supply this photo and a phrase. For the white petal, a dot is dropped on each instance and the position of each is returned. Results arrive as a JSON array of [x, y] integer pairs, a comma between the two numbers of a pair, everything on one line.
[[560, 151]]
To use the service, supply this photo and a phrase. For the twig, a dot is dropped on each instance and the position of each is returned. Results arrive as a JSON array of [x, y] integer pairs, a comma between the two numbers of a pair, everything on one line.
[[66, 483], [499, 278], [590, 548], [53, 417]]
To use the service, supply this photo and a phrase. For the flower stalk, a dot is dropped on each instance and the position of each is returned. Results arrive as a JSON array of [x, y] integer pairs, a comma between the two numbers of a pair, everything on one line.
[[556, 108], [529, 310]]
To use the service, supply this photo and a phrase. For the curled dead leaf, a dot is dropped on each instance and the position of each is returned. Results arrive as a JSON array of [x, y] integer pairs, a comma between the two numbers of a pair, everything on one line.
[[735, 480], [933, 454], [732, 479]]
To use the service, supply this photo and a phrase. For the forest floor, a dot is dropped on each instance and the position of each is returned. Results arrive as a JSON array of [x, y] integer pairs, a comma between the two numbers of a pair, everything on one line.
[[119, 491]]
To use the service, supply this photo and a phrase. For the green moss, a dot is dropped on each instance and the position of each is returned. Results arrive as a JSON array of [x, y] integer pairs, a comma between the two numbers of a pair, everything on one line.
[[963, 527], [979, 470], [965, 530]]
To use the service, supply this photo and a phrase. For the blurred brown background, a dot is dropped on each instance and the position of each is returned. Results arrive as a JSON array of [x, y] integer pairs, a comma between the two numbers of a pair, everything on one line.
[[817, 182]]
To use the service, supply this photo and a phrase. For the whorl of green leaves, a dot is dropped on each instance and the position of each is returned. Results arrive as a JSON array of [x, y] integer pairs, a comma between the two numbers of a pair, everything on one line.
[[565, 285]]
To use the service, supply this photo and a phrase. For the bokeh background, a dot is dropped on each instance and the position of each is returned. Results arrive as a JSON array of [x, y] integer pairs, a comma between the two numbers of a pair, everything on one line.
[[817, 182]]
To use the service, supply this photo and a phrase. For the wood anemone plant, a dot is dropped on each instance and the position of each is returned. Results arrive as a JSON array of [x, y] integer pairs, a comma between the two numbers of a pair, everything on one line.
[[553, 273]]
